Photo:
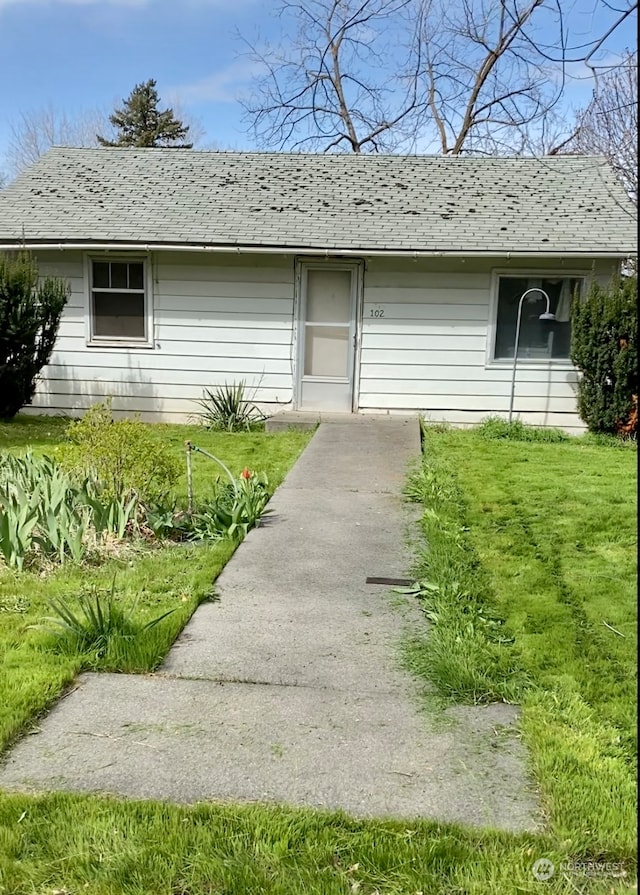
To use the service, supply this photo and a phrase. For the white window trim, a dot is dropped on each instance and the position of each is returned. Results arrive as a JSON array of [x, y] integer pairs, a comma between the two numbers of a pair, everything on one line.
[[93, 341], [541, 273]]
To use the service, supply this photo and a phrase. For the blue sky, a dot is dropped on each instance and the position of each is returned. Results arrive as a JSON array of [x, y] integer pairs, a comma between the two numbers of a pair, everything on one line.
[[80, 54]]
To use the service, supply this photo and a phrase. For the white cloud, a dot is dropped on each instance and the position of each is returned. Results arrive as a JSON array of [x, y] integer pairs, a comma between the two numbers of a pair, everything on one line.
[[223, 86]]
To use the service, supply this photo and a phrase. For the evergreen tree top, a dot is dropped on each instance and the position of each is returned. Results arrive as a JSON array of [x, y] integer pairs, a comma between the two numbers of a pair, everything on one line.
[[141, 124]]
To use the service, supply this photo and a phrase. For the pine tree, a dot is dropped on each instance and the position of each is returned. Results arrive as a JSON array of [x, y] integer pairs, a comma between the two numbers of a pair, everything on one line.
[[140, 123]]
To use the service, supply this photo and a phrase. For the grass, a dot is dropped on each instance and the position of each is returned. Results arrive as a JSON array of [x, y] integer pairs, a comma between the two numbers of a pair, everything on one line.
[[273, 453], [530, 574], [177, 577], [530, 552], [42, 433], [74, 844]]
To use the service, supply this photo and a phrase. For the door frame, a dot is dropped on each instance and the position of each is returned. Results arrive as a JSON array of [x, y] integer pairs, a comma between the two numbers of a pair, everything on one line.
[[302, 265]]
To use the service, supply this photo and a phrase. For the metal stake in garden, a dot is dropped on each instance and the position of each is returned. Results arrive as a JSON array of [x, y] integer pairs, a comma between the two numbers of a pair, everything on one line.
[[187, 445]]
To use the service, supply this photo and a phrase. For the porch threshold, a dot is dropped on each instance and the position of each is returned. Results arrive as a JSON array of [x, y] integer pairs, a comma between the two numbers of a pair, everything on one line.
[[310, 419], [292, 419]]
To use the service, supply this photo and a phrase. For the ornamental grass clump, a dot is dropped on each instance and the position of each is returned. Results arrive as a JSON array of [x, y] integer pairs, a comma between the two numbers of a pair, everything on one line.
[[230, 408], [96, 623]]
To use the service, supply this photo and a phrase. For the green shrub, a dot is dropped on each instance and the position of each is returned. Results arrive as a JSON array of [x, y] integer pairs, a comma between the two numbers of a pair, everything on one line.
[[604, 347], [123, 455], [30, 312], [499, 428], [229, 408]]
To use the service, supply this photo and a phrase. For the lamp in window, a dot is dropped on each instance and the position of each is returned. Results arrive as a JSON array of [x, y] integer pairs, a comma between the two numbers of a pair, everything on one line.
[[546, 315]]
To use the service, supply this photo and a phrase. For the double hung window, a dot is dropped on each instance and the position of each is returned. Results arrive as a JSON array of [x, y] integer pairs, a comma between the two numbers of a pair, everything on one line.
[[118, 301]]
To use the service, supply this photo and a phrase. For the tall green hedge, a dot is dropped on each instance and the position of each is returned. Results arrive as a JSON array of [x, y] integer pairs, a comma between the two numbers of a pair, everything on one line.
[[604, 347], [30, 311]]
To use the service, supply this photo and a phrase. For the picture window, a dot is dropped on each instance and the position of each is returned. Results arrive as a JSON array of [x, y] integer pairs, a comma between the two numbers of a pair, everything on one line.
[[539, 339]]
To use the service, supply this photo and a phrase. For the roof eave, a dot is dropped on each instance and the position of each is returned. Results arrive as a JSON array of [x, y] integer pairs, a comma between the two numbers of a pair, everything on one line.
[[319, 251]]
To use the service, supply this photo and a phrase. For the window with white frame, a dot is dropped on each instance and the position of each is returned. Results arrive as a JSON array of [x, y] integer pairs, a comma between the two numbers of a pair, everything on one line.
[[118, 303], [538, 339]]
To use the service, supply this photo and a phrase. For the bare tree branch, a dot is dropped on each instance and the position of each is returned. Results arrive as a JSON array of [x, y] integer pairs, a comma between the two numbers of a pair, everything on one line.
[[482, 83], [337, 65], [609, 124], [396, 75], [36, 131]]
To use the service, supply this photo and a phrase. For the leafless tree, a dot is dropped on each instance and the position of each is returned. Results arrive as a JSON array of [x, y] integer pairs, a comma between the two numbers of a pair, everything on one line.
[[484, 86], [609, 124], [462, 76], [36, 131], [337, 81]]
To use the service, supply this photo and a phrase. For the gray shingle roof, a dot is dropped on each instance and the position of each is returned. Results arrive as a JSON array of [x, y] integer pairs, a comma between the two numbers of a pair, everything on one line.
[[565, 204]]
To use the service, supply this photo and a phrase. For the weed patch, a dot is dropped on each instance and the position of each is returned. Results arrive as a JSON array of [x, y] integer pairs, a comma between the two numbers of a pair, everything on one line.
[[497, 427], [469, 653], [96, 624]]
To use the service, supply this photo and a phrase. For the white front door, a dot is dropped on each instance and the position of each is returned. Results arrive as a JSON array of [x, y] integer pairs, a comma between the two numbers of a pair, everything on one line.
[[327, 336]]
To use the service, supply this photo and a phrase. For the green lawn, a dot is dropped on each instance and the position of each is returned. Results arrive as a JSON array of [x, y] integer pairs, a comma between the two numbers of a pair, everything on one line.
[[76, 844], [539, 541], [531, 548]]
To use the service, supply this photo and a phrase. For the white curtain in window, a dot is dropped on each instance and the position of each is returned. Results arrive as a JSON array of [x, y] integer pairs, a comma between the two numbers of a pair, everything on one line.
[[563, 310]]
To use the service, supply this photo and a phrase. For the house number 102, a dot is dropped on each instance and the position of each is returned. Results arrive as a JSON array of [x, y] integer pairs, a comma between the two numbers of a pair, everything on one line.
[[376, 312]]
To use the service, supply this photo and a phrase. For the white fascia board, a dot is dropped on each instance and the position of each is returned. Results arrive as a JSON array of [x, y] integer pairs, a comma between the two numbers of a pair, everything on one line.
[[304, 250]]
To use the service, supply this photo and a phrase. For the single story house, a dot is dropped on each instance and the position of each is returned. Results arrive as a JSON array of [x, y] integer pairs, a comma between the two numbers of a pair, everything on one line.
[[342, 283]]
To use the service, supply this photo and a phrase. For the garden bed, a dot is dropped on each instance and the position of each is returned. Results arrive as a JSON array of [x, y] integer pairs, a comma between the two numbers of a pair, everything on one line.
[[150, 578]]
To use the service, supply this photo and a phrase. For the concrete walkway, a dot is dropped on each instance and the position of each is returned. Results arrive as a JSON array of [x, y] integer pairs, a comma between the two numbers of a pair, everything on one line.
[[289, 688]]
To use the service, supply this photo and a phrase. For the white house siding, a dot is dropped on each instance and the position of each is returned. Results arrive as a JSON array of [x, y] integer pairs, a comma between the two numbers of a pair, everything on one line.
[[226, 317], [216, 319], [424, 346]]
